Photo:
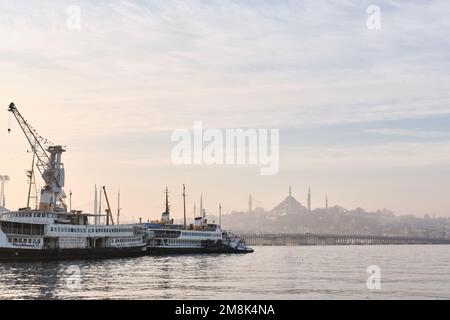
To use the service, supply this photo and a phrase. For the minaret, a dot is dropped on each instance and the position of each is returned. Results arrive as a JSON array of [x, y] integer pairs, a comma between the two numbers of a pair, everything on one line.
[[309, 199], [250, 204], [326, 202], [289, 199]]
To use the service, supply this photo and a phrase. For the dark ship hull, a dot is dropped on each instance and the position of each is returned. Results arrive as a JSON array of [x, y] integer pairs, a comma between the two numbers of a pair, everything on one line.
[[14, 254], [207, 247]]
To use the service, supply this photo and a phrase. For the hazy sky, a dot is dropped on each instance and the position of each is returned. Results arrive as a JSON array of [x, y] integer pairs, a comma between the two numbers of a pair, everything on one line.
[[364, 115]]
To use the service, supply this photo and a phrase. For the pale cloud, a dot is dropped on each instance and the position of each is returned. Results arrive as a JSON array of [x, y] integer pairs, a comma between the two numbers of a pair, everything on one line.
[[389, 155], [139, 69], [411, 133], [174, 61]]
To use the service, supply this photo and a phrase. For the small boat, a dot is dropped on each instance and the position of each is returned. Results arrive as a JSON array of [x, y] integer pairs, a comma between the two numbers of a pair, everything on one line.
[[235, 244]]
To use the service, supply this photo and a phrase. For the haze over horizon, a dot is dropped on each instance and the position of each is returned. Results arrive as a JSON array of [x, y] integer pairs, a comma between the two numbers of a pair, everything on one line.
[[364, 115]]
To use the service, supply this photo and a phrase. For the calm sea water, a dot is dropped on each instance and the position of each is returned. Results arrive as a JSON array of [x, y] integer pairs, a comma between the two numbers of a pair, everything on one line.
[[328, 272]]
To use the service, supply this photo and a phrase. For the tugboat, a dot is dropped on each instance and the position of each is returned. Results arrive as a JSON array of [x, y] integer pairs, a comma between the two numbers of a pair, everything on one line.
[[233, 244], [50, 231], [166, 237]]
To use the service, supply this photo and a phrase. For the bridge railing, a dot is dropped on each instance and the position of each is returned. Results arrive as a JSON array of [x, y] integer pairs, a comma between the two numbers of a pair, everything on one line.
[[335, 239]]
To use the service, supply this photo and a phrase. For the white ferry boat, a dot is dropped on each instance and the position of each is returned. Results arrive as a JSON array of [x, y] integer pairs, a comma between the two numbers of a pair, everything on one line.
[[50, 231], [30, 234], [164, 236]]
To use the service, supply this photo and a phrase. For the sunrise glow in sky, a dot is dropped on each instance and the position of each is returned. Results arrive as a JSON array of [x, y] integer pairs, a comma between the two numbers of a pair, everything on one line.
[[364, 115]]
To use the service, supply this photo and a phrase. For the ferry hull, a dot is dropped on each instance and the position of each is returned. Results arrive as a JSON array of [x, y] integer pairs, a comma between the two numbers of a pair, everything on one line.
[[13, 254], [169, 250]]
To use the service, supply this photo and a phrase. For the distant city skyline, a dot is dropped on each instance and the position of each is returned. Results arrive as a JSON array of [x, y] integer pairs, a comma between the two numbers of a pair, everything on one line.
[[363, 115]]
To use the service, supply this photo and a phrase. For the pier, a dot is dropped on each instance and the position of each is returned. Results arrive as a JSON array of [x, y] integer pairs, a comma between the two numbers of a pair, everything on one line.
[[309, 239]]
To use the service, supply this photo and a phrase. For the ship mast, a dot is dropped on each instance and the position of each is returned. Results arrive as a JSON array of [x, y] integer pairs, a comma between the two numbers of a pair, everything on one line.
[[99, 209], [220, 215], [167, 200], [165, 217], [184, 205], [32, 181], [108, 210], [118, 207]]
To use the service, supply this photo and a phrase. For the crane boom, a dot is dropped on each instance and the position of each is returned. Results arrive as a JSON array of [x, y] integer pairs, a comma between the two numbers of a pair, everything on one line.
[[48, 162]]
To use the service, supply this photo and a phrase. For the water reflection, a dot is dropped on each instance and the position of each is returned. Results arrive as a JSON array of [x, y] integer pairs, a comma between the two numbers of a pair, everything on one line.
[[269, 273]]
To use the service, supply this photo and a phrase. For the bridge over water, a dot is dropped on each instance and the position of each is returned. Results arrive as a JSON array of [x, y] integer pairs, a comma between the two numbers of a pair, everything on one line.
[[306, 239]]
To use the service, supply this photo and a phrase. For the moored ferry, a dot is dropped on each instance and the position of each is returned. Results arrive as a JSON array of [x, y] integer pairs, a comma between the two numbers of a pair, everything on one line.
[[31, 234], [164, 236]]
